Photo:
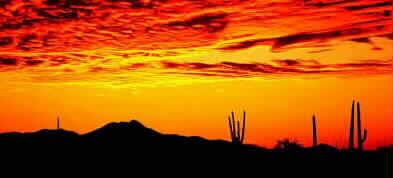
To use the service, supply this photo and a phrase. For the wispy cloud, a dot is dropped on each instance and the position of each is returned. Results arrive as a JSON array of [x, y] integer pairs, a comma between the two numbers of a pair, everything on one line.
[[285, 67]]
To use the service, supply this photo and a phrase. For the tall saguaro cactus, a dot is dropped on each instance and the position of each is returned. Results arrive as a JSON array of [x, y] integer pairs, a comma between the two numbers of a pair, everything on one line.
[[352, 128], [237, 136], [361, 137], [314, 131]]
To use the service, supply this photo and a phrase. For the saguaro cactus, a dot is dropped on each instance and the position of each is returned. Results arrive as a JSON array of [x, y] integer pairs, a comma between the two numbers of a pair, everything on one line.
[[237, 136], [361, 137], [352, 129], [314, 131]]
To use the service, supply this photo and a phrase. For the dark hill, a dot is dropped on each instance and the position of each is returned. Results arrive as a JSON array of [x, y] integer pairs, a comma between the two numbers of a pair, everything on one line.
[[131, 142], [134, 135], [133, 129], [46, 133], [131, 135]]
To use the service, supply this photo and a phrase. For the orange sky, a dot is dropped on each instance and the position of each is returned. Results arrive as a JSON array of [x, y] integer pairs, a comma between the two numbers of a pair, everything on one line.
[[182, 66]]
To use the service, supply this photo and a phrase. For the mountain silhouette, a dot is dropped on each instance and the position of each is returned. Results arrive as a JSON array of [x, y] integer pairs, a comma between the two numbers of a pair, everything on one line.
[[132, 135], [129, 140], [41, 133], [132, 129]]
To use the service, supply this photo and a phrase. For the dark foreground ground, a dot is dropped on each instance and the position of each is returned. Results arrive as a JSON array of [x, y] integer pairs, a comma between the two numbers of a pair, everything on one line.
[[124, 144]]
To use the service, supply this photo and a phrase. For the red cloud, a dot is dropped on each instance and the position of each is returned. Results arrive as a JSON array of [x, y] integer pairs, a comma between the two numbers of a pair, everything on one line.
[[282, 67]]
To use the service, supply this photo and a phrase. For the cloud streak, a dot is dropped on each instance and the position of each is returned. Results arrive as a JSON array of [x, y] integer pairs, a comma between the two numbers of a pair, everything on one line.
[[303, 38], [285, 67]]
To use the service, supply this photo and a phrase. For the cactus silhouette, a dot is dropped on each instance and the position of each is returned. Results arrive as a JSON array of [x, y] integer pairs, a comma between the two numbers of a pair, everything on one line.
[[237, 136], [352, 129], [361, 137], [314, 131]]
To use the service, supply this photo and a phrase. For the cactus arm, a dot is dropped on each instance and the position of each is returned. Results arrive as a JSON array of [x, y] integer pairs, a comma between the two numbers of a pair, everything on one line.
[[364, 138], [230, 127], [244, 126], [233, 120], [234, 127], [238, 131]]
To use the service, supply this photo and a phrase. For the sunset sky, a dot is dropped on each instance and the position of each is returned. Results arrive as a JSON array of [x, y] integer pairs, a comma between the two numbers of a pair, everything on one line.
[[181, 66]]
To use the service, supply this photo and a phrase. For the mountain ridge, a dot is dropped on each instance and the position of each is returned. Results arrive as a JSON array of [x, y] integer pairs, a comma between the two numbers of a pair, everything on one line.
[[119, 143]]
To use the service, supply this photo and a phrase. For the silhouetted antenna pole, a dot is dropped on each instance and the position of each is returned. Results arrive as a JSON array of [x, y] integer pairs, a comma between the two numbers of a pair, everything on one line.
[[58, 123], [314, 131], [237, 135]]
